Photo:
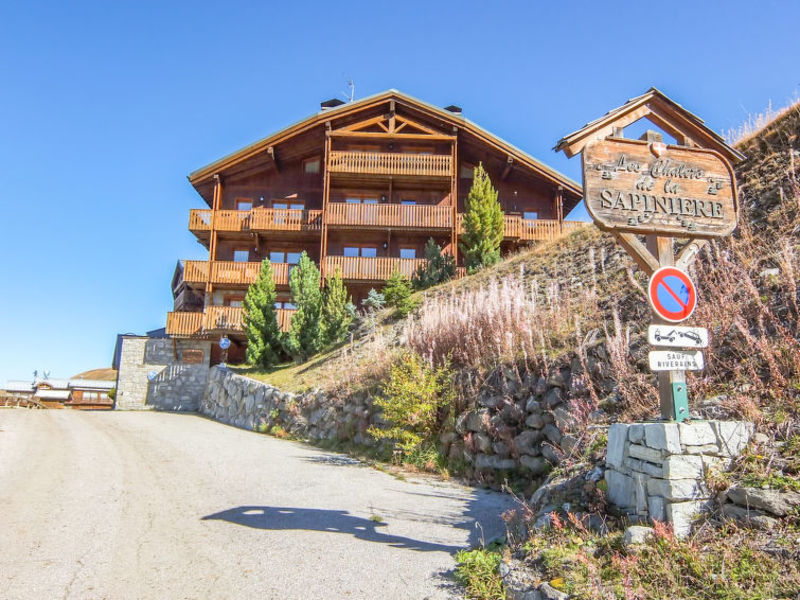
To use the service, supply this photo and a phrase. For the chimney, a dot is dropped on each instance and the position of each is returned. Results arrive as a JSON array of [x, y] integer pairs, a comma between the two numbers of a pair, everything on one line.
[[453, 109], [329, 104]]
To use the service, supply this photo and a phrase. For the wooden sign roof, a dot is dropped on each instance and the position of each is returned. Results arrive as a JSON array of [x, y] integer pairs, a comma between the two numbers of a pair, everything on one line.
[[688, 129]]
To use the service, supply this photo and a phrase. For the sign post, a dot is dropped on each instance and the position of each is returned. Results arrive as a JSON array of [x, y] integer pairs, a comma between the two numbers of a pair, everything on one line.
[[646, 188]]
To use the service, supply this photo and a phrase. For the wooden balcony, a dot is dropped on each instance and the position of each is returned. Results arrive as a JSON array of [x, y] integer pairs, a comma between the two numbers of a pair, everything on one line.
[[184, 323], [217, 320], [231, 273], [258, 219], [400, 216], [371, 269], [517, 228], [391, 163]]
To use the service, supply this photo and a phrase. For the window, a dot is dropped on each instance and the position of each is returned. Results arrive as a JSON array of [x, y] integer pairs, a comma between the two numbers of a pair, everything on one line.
[[244, 203], [467, 171], [408, 202], [408, 253], [530, 215], [281, 256], [235, 301], [364, 148], [423, 150], [311, 166], [358, 199], [288, 205], [364, 251], [286, 305], [241, 255]]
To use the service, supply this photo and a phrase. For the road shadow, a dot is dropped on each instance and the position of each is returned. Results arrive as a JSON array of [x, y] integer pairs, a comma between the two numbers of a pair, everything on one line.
[[277, 518]]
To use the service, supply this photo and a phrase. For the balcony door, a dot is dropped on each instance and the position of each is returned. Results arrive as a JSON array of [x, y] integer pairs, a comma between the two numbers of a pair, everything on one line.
[[281, 214], [357, 268]]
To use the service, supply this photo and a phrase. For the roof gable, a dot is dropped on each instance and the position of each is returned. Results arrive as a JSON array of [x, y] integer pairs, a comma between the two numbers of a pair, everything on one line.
[[448, 119]]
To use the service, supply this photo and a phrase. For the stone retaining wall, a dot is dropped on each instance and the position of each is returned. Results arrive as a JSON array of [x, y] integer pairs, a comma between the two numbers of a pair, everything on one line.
[[657, 471], [518, 422]]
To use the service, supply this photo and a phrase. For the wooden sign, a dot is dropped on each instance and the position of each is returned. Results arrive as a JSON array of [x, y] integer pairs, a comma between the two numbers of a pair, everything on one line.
[[653, 188], [193, 356]]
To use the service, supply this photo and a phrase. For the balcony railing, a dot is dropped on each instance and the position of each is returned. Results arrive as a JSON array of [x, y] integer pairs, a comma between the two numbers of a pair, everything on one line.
[[389, 163], [232, 273], [390, 215], [217, 319], [372, 269], [184, 323], [518, 228], [258, 219]]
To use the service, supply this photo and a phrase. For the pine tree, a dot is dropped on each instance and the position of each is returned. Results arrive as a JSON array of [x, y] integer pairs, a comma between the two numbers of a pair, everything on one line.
[[398, 292], [438, 267], [261, 321], [305, 334], [483, 224], [336, 313]]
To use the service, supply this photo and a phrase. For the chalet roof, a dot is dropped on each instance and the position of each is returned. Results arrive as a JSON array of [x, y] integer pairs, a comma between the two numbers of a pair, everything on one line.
[[46, 394], [19, 386], [659, 108], [456, 119], [91, 384]]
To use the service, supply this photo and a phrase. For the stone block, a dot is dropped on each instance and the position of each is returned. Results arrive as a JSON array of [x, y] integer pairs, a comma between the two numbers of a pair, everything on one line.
[[527, 442], [552, 433], [683, 467], [620, 488], [474, 421], [772, 501], [697, 433], [635, 433], [683, 514], [640, 493], [732, 436], [636, 534], [705, 449], [617, 436], [656, 508], [645, 453], [535, 421], [535, 464], [677, 489], [483, 443], [533, 405], [663, 436]]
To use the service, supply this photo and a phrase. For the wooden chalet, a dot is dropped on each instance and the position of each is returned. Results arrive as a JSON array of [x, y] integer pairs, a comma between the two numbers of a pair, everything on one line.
[[360, 187]]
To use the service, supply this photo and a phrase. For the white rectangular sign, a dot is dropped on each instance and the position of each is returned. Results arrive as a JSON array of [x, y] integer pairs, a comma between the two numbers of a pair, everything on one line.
[[675, 360], [675, 336]]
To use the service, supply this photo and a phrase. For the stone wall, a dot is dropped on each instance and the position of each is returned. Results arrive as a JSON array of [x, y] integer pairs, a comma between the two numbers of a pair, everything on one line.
[[657, 471], [518, 422], [181, 368]]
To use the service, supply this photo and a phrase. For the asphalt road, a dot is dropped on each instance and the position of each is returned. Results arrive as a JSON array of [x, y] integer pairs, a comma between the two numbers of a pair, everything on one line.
[[154, 505]]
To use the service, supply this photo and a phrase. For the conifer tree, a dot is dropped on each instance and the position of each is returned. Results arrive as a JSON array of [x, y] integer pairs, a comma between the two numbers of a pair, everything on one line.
[[483, 223], [397, 293], [336, 313], [261, 321], [305, 334], [438, 267]]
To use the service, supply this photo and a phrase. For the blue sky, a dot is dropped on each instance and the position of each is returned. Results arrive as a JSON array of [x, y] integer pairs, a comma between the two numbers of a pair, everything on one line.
[[105, 107]]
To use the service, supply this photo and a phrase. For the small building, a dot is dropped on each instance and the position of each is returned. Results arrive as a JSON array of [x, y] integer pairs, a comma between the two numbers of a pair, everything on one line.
[[90, 394]]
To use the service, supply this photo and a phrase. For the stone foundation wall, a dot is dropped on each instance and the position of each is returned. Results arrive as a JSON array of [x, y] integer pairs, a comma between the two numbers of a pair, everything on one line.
[[657, 471], [181, 368]]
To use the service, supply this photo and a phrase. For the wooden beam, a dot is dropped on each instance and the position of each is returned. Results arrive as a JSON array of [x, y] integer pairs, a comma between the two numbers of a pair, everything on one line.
[[689, 252], [274, 156], [381, 135], [638, 251], [507, 169]]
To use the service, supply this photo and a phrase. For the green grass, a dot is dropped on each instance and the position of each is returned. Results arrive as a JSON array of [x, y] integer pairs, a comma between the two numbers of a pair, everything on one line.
[[477, 571]]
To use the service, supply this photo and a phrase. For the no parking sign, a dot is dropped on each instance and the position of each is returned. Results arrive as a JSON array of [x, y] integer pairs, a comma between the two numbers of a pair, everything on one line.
[[672, 294]]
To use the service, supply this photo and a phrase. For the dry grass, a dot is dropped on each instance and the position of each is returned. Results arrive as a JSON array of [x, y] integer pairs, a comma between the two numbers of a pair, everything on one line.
[[756, 123], [98, 374]]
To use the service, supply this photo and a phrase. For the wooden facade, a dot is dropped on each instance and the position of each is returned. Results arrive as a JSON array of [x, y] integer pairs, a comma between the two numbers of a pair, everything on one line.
[[360, 188]]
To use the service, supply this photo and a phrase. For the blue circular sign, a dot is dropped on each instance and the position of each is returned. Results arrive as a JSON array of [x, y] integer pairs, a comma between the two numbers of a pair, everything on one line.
[[224, 343], [151, 376]]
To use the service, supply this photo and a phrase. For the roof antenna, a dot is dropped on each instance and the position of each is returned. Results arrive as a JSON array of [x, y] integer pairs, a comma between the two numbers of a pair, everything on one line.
[[351, 87]]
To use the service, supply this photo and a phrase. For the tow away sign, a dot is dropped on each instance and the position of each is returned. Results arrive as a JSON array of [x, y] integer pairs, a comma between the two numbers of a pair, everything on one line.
[[676, 360], [675, 336]]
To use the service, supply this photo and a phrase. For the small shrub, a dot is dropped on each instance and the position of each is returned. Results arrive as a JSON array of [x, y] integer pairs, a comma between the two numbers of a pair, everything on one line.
[[411, 399], [398, 294], [112, 393], [374, 300], [477, 571], [436, 269]]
